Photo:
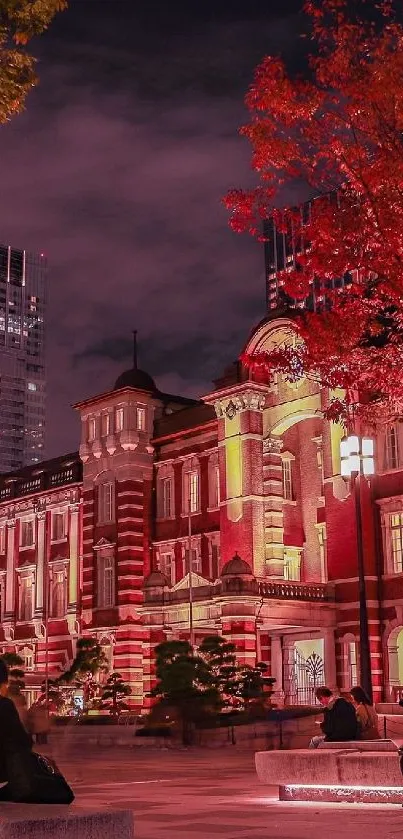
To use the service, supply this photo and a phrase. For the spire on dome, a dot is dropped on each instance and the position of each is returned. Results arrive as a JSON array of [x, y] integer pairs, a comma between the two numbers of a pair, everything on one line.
[[134, 349]]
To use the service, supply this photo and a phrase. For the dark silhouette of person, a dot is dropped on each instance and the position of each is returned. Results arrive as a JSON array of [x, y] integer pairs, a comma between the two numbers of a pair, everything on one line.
[[27, 777]]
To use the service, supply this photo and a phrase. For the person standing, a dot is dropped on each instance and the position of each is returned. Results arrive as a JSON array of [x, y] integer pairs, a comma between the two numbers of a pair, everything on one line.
[[367, 718], [339, 720]]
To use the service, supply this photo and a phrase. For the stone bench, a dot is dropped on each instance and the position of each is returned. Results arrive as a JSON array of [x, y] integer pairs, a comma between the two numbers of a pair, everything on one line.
[[38, 821], [361, 745], [343, 774]]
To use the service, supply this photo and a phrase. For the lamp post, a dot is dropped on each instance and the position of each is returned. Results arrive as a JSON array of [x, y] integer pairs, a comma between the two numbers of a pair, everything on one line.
[[357, 461], [191, 627]]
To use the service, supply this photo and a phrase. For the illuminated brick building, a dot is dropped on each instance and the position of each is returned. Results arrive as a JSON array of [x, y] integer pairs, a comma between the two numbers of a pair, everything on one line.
[[249, 480]]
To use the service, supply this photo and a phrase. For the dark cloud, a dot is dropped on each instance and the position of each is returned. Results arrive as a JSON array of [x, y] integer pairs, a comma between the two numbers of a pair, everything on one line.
[[117, 170]]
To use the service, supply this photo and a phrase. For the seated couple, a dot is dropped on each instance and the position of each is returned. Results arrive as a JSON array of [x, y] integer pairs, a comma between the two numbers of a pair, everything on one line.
[[346, 719]]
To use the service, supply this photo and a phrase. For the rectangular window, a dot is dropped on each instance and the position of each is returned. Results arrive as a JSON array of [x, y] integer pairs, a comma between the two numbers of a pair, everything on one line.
[[105, 503], [392, 448], [58, 603], [106, 582], [141, 418], [166, 498], [91, 429], [119, 419], [292, 566], [27, 598], [105, 425], [214, 486], [215, 561], [352, 664], [195, 560], [287, 480], [27, 534], [58, 527], [2, 540], [167, 567], [396, 542], [28, 660], [191, 489]]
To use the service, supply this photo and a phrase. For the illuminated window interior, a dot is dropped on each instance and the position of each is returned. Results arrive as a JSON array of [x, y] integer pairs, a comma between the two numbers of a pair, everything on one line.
[[396, 541]]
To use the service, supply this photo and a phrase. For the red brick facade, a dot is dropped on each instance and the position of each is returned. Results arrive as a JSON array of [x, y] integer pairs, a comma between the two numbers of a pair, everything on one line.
[[97, 543]]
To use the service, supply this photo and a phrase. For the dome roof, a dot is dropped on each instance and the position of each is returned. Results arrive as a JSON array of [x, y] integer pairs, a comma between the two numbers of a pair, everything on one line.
[[236, 567], [155, 579], [135, 378]]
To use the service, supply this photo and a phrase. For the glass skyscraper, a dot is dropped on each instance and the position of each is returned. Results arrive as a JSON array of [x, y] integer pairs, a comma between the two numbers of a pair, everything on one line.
[[281, 251], [22, 358]]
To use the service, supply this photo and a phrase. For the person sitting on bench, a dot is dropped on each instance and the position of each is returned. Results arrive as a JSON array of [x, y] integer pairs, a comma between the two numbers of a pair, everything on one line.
[[367, 717], [339, 722]]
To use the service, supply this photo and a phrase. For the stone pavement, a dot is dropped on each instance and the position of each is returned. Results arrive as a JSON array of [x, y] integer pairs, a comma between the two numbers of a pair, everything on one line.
[[204, 794]]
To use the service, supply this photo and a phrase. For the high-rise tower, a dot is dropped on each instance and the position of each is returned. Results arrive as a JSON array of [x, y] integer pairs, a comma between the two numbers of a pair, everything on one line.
[[22, 358], [282, 247]]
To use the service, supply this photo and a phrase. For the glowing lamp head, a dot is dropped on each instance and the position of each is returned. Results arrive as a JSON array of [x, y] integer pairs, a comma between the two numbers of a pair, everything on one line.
[[357, 456]]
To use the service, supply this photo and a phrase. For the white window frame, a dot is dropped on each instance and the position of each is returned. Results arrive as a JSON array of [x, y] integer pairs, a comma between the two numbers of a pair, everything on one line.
[[106, 502], [106, 593], [191, 490], [167, 565], [395, 541], [105, 424], [321, 531], [214, 483], [196, 559], [58, 575], [392, 454], [214, 544], [59, 514], [119, 418], [23, 616], [292, 565], [92, 429], [166, 509], [29, 544], [352, 663], [141, 418], [287, 479]]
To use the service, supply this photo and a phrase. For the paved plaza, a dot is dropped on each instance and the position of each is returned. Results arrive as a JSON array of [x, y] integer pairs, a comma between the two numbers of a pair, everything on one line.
[[208, 793]]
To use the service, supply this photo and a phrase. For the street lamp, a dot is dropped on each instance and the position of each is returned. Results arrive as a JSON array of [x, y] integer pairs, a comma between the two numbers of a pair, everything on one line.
[[357, 460]]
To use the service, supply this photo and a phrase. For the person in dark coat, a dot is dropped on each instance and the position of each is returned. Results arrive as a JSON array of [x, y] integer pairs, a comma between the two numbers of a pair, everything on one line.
[[21, 771], [13, 736], [339, 721]]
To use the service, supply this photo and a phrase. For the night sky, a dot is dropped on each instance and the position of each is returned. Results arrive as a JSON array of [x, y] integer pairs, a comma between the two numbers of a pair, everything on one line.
[[116, 171]]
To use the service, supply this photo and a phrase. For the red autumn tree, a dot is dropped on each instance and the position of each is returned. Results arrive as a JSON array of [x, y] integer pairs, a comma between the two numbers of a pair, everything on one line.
[[20, 21], [338, 129]]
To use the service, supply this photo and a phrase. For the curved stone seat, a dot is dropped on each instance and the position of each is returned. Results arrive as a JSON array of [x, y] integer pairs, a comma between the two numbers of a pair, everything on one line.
[[37, 821]]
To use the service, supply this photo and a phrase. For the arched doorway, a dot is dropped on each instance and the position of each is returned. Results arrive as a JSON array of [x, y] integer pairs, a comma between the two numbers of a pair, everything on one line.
[[395, 663]]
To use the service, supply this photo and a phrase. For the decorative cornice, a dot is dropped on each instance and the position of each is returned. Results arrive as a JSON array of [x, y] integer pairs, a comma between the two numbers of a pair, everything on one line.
[[248, 400], [272, 445]]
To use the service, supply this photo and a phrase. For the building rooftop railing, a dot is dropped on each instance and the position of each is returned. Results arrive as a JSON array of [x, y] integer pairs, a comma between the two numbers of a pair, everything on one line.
[[233, 586], [44, 476]]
